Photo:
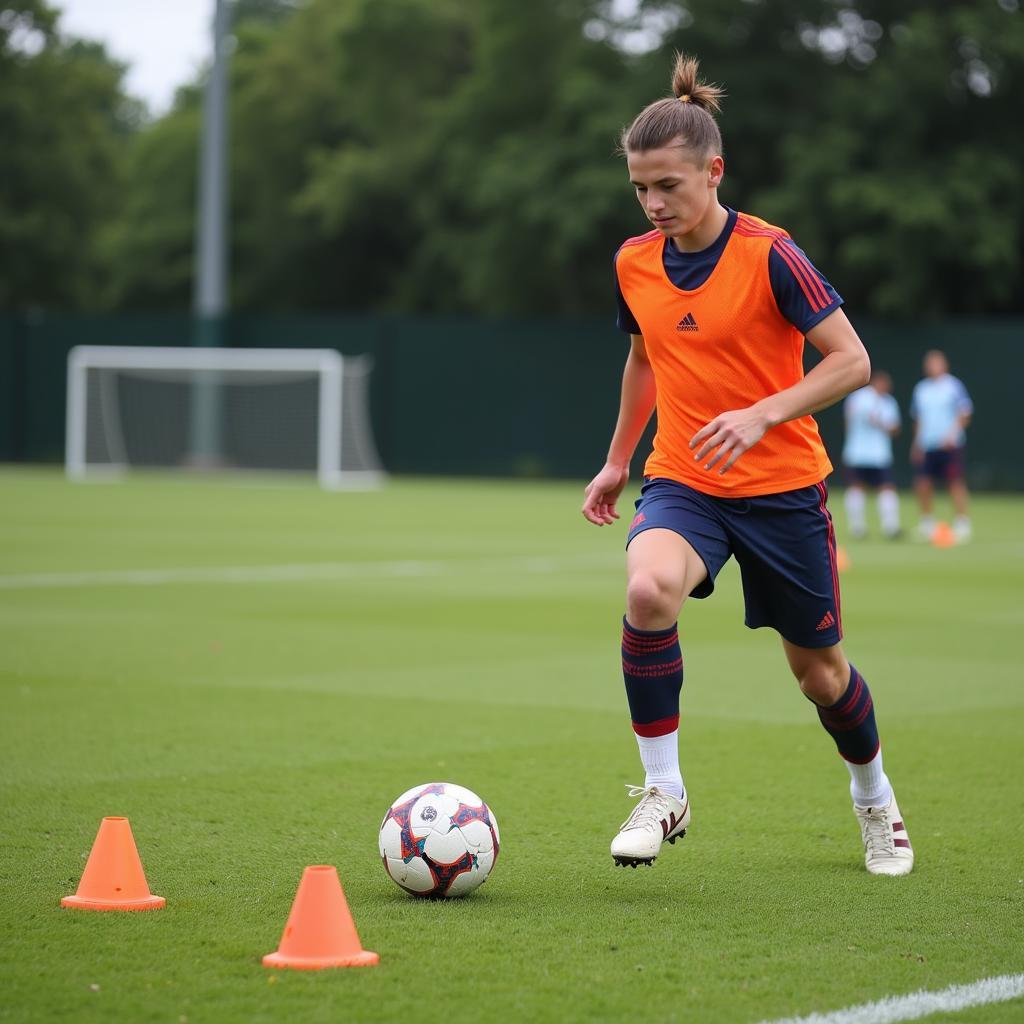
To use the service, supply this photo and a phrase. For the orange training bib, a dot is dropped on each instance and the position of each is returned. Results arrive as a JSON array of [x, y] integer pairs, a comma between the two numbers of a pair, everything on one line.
[[719, 347]]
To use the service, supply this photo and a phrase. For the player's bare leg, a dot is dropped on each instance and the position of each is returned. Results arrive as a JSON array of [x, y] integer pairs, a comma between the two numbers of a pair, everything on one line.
[[822, 672], [662, 569], [925, 492], [846, 710], [962, 522]]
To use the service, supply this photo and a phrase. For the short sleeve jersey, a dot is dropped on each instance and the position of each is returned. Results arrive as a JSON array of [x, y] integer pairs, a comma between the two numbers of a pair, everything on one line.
[[937, 404], [722, 335], [870, 417]]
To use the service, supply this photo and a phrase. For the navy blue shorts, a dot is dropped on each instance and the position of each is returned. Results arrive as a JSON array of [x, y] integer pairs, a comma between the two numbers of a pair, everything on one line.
[[942, 465], [868, 476], [784, 543]]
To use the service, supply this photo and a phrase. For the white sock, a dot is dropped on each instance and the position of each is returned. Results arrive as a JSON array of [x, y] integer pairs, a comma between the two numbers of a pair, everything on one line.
[[855, 509], [889, 510], [869, 785], [660, 757]]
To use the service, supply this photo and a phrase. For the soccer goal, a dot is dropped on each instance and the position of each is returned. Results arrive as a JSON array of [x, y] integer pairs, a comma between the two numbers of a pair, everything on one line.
[[219, 408]]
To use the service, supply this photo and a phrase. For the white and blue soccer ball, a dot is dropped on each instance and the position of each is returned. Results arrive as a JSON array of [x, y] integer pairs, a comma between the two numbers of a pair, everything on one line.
[[439, 840]]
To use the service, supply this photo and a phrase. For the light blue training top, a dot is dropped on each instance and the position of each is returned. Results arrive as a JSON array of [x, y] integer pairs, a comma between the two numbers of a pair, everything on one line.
[[869, 418], [936, 404]]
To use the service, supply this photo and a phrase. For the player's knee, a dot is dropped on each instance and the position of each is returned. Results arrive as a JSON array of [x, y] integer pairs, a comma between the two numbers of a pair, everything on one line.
[[824, 682], [652, 602]]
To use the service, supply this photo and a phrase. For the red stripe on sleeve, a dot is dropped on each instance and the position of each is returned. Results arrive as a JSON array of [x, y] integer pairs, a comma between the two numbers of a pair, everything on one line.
[[800, 275], [640, 239], [812, 274]]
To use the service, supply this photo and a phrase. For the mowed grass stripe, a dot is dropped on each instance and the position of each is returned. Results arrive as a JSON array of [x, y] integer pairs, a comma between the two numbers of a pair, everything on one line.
[[301, 573]]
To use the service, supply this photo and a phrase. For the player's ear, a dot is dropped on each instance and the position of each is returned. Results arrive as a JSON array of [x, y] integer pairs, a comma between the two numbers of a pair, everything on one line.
[[716, 171]]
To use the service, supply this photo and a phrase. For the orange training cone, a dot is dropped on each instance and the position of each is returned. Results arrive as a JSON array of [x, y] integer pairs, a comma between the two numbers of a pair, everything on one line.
[[842, 559], [943, 535], [113, 878], [320, 931]]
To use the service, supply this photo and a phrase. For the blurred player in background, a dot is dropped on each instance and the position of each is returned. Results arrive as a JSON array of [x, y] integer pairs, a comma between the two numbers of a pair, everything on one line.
[[872, 420], [717, 304], [942, 410]]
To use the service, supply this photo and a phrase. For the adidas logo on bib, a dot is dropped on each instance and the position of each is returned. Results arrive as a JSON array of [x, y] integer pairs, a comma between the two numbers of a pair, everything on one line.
[[687, 324]]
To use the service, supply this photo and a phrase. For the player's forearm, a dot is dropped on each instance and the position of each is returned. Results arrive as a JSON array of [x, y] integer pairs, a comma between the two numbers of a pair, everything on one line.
[[635, 409], [833, 378]]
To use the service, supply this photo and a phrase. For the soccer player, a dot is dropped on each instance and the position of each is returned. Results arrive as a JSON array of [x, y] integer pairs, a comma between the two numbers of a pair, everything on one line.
[[872, 419], [717, 304], [942, 410]]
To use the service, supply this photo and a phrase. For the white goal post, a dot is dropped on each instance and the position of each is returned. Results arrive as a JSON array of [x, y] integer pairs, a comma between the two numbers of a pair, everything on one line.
[[222, 408]]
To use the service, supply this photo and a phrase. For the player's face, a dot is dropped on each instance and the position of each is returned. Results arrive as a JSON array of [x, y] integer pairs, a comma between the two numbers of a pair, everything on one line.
[[935, 364], [676, 191]]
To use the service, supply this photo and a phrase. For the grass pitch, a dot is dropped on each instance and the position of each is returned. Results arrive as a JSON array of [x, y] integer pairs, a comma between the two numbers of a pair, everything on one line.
[[250, 722]]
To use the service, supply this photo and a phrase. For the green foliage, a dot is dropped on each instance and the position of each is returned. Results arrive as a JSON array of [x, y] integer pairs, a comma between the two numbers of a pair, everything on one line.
[[458, 155], [916, 175], [63, 116], [150, 244]]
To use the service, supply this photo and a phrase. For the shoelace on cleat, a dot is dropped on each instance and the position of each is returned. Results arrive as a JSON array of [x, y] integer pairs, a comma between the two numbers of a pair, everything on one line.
[[878, 836], [649, 812]]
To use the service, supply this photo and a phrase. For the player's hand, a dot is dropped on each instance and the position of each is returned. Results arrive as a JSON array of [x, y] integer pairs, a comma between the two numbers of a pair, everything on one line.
[[728, 436], [602, 493], [916, 455]]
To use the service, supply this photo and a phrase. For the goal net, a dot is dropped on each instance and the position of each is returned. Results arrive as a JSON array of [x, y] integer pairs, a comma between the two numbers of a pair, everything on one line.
[[220, 408]]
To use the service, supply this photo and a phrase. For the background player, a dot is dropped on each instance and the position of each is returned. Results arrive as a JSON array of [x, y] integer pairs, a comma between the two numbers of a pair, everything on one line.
[[942, 410], [872, 420], [737, 466]]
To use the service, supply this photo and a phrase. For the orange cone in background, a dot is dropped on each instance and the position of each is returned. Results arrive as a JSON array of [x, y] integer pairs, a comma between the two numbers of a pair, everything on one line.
[[943, 535], [113, 878], [320, 931], [842, 559]]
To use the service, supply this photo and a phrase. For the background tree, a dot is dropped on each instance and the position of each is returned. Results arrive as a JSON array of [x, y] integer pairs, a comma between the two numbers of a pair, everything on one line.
[[459, 155], [64, 120]]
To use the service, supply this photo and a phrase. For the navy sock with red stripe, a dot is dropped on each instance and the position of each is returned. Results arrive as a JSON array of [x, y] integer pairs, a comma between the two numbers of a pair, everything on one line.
[[851, 721], [652, 668]]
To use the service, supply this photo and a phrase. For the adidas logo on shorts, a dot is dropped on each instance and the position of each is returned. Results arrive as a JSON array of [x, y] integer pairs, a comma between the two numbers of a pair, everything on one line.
[[687, 324]]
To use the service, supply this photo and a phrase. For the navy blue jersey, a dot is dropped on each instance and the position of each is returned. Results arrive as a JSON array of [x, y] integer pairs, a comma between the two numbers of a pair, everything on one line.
[[689, 270]]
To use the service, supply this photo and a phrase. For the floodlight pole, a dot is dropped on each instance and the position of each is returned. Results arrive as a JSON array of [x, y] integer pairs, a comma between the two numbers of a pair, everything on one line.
[[209, 304]]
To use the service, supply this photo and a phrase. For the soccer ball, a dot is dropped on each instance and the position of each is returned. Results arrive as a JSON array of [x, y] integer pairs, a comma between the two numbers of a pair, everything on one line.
[[439, 840]]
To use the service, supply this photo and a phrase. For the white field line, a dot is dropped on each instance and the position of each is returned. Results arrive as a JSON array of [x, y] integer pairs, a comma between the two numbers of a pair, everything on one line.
[[300, 573], [920, 1004]]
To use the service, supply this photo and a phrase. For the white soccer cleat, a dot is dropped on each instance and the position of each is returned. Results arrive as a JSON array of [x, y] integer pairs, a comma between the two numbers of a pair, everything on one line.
[[887, 849], [658, 818], [962, 530]]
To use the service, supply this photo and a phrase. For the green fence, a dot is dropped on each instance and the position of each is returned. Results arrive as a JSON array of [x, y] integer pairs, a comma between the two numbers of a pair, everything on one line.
[[496, 397]]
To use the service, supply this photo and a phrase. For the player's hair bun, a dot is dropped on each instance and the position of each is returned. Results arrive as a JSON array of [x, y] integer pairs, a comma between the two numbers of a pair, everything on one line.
[[686, 86], [686, 118]]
